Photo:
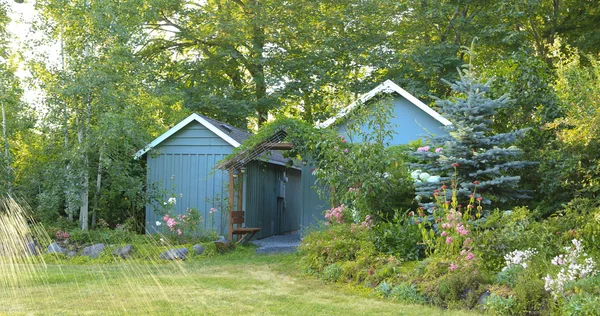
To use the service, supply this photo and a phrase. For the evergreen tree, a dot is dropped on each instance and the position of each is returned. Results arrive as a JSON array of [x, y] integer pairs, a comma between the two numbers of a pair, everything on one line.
[[482, 160]]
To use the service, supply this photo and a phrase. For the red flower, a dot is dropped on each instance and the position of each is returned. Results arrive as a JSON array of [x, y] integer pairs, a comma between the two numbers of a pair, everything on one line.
[[479, 199], [455, 165], [476, 182], [444, 187]]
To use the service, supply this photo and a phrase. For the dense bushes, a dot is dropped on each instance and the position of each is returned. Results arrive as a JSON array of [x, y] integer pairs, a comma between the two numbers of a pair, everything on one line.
[[519, 264]]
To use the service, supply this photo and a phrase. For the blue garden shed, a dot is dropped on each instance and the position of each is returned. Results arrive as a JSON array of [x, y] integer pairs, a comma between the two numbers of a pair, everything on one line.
[[181, 164], [411, 119]]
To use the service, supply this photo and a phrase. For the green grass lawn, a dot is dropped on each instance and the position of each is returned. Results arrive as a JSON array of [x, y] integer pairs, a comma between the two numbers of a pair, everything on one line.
[[240, 283]]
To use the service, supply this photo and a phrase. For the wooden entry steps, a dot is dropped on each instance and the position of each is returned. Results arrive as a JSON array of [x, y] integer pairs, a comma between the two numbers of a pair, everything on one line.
[[237, 218]]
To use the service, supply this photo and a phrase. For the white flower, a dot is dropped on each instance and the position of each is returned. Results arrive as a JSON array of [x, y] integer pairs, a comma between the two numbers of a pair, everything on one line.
[[424, 176], [172, 201], [158, 223], [434, 179], [415, 174]]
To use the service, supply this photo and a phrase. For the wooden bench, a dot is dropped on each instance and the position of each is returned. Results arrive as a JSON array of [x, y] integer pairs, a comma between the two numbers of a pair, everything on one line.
[[237, 218]]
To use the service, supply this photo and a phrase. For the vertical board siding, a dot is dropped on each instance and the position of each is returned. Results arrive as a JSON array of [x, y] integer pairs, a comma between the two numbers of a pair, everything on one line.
[[262, 188], [183, 166]]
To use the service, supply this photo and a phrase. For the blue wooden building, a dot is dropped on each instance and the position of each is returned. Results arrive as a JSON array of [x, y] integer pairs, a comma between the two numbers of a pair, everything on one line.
[[181, 163], [411, 117]]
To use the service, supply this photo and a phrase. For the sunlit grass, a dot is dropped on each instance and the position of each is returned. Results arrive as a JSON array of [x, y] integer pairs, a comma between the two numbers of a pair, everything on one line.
[[224, 285], [240, 282]]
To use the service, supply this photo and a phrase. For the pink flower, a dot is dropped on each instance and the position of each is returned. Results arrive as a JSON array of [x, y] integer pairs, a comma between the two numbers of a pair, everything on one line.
[[454, 165], [444, 233], [439, 150], [448, 240], [470, 256], [343, 141], [179, 231], [423, 149], [166, 218], [212, 210], [453, 267], [345, 151]]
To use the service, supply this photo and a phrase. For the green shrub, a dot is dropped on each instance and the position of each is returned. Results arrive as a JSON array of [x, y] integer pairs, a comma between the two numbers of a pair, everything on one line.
[[452, 288], [530, 295], [581, 304], [383, 289], [332, 272], [503, 232], [339, 243], [499, 305], [408, 293], [399, 238]]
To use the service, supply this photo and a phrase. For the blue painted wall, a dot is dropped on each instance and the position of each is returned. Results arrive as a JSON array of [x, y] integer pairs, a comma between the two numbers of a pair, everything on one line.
[[183, 165], [409, 123]]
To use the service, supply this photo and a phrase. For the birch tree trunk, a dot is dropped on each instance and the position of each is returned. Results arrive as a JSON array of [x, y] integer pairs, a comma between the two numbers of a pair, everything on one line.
[[98, 186], [6, 153]]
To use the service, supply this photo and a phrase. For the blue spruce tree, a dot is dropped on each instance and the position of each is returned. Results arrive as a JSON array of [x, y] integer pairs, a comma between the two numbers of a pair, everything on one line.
[[480, 158]]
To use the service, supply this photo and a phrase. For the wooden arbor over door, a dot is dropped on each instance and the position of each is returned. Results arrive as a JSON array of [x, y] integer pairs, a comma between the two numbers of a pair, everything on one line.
[[237, 216], [235, 168]]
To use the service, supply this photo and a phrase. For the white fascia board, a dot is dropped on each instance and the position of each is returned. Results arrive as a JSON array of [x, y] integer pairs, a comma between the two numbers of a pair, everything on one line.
[[386, 87], [182, 124]]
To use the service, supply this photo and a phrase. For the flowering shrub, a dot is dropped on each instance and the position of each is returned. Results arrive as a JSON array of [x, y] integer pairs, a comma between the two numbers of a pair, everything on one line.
[[184, 223], [62, 235], [518, 258], [447, 230], [337, 215], [574, 265]]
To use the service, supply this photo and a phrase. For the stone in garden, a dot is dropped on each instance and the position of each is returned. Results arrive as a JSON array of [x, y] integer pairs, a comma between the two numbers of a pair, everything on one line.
[[126, 251], [72, 254], [32, 248], [55, 248], [198, 249], [174, 254], [223, 245], [483, 297], [116, 251], [93, 251]]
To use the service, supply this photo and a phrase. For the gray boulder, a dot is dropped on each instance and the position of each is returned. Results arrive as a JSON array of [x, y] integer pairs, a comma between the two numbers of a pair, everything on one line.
[[55, 248], [93, 251], [126, 251], [198, 249], [32, 248], [72, 254], [174, 254]]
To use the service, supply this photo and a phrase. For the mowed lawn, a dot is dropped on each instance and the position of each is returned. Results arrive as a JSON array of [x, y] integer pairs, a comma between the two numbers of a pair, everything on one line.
[[235, 284]]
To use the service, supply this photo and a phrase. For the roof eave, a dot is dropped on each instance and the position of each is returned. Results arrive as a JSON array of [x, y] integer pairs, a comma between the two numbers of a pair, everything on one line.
[[182, 124], [387, 87]]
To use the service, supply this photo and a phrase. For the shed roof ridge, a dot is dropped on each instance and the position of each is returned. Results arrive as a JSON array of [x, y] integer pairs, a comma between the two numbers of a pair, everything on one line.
[[387, 86], [204, 121]]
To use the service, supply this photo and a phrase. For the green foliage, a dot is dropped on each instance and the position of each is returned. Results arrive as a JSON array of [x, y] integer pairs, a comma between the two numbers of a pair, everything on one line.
[[571, 164], [408, 293], [398, 237], [498, 305], [445, 287], [503, 232]]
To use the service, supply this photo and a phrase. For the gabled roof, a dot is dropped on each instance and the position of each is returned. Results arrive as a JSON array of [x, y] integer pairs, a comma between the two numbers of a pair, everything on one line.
[[387, 87], [233, 136]]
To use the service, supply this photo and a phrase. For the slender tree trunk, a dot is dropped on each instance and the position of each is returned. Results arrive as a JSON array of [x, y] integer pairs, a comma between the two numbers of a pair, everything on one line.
[[6, 153], [98, 186]]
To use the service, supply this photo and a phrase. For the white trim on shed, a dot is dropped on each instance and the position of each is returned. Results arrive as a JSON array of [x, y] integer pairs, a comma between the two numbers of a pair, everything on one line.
[[182, 124], [387, 87]]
